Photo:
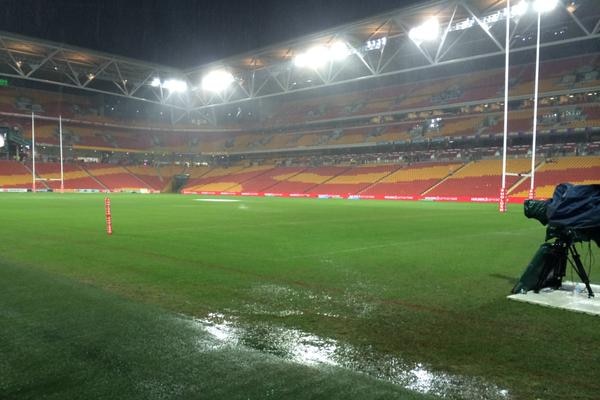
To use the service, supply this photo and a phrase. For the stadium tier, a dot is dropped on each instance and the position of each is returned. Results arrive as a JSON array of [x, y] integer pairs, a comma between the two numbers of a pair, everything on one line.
[[307, 180], [410, 180], [576, 170], [151, 177], [354, 180], [14, 175], [75, 177], [479, 179], [117, 178], [231, 179]]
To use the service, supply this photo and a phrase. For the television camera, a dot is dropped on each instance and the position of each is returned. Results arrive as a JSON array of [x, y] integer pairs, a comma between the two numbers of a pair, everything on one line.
[[572, 215]]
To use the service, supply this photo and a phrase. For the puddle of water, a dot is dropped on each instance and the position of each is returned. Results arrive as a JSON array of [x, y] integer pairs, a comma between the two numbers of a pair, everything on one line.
[[308, 349]]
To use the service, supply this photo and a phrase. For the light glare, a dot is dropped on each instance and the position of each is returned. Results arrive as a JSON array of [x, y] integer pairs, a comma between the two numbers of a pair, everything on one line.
[[542, 6], [175, 85], [318, 56], [217, 80], [426, 32], [520, 9]]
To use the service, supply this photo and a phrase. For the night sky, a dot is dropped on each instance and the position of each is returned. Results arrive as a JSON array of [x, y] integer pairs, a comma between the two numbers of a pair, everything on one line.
[[181, 33]]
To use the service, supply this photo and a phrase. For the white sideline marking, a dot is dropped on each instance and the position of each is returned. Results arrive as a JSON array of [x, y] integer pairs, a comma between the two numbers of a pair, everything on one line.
[[218, 200], [566, 298]]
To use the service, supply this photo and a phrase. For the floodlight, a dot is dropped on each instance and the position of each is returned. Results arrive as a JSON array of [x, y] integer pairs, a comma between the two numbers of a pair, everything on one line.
[[155, 82], [314, 57], [320, 55], [520, 9], [426, 32], [338, 51], [217, 80], [175, 85], [1, 141], [542, 6]]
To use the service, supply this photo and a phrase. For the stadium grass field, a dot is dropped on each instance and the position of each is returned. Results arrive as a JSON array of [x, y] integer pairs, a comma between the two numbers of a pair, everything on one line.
[[278, 298]]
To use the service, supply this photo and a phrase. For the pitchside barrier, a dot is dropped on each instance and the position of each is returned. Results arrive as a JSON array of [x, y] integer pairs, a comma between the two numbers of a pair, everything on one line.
[[463, 199]]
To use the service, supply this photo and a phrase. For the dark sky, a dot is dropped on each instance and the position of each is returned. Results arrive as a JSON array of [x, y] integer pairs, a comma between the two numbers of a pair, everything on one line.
[[181, 33]]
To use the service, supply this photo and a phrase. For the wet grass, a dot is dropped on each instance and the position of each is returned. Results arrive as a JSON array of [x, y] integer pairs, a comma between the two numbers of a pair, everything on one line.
[[424, 282], [66, 340]]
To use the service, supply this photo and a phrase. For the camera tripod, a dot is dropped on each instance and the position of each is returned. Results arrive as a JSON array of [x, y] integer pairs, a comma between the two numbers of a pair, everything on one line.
[[555, 266]]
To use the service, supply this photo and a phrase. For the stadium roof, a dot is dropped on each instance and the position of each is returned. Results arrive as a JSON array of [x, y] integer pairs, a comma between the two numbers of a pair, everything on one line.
[[375, 47]]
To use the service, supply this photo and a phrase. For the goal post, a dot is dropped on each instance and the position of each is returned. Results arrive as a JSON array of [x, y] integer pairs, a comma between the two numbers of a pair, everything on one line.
[[503, 190], [34, 177]]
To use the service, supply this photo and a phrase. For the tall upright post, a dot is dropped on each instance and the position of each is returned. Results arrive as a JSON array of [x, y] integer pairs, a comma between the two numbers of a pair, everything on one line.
[[62, 172], [535, 106], [503, 194], [33, 152]]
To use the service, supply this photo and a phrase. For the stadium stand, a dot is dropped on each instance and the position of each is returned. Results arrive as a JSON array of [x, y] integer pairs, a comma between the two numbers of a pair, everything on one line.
[[354, 180], [479, 179], [116, 178], [411, 180], [75, 177], [14, 175], [576, 170], [150, 176], [227, 179], [307, 179]]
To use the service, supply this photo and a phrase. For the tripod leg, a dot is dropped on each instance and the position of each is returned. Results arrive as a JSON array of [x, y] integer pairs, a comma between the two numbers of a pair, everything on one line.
[[580, 270]]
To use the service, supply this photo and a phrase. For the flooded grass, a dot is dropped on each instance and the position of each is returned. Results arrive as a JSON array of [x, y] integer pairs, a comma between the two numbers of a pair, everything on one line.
[[308, 349]]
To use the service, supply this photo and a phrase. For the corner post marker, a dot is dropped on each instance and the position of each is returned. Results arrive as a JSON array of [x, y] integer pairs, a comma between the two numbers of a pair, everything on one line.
[[108, 216]]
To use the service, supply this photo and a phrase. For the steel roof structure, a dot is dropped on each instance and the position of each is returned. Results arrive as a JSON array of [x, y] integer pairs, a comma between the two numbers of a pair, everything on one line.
[[470, 30]]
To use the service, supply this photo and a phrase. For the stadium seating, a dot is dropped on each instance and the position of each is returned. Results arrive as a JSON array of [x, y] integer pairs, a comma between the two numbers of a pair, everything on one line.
[[227, 179], [307, 179], [269, 179], [411, 179], [116, 178], [14, 175], [354, 180], [480, 179], [575, 170], [75, 177], [150, 176]]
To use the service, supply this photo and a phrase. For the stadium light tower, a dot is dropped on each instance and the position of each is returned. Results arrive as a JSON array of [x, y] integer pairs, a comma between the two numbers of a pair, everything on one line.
[[217, 80]]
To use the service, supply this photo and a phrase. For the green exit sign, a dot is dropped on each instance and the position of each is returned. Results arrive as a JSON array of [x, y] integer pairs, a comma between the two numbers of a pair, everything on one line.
[[3, 82]]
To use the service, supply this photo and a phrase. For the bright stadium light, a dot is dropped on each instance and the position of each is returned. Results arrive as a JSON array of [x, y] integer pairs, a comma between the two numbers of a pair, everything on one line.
[[1, 141], [426, 32], [320, 55], [172, 85], [314, 57], [217, 80], [338, 51], [520, 9], [542, 6], [175, 85]]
